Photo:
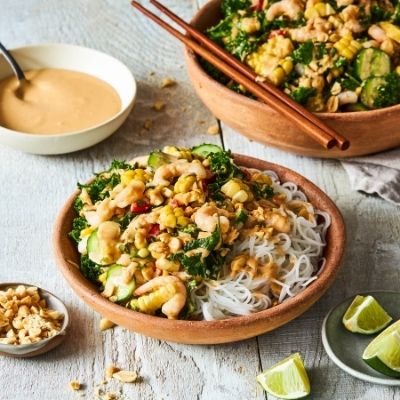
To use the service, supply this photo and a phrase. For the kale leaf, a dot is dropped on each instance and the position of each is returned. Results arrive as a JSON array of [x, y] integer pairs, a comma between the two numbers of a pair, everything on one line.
[[302, 94], [207, 268], [304, 53], [191, 229], [90, 269], [222, 166], [78, 224], [118, 164], [229, 7], [208, 243], [262, 191], [389, 92]]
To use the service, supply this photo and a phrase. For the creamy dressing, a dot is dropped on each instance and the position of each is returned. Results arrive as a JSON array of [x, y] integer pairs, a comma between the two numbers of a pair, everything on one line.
[[56, 101]]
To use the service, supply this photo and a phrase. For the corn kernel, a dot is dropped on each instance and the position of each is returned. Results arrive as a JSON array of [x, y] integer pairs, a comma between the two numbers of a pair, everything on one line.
[[230, 188], [184, 183], [143, 253], [102, 278], [182, 221], [397, 70], [86, 232], [240, 197], [127, 176]]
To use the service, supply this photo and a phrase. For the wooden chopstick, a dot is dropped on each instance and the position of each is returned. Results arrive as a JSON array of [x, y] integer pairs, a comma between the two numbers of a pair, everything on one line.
[[296, 115], [342, 142]]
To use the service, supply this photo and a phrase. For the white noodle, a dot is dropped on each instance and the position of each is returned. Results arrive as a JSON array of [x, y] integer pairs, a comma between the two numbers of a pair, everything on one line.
[[300, 264]]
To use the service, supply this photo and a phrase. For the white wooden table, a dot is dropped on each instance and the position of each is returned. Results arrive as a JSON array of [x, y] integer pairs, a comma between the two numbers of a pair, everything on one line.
[[33, 188]]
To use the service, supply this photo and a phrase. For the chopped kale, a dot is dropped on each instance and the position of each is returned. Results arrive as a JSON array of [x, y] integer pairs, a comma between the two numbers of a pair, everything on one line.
[[78, 224], [222, 166], [78, 204], [302, 94], [101, 185], [207, 268], [388, 93], [229, 7], [118, 164], [304, 53], [320, 50], [262, 191], [340, 62], [191, 229], [350, 83], [241, 217], [125, 220], [379, 14], [90, 269], [241, 45], [208, 243]]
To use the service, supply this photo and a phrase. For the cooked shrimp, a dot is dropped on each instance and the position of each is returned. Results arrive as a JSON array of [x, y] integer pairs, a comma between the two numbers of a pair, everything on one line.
[[207, 217], [290, 8], [168, 292], [377, 33], [164, 174]]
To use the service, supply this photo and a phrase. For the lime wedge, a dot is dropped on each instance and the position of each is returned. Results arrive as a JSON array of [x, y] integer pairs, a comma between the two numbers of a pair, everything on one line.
[[365, 315], [383, 353], [286, 380]]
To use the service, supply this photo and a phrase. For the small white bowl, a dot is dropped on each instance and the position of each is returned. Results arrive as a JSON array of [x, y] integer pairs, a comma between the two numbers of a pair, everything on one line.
[[45, 345], [74, 58]]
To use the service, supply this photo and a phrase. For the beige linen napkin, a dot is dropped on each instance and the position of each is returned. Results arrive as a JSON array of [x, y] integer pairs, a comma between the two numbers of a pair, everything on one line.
[[379, 173]]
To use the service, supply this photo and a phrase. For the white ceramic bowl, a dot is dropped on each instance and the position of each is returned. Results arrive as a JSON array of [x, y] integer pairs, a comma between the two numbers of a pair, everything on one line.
[[80, 59]]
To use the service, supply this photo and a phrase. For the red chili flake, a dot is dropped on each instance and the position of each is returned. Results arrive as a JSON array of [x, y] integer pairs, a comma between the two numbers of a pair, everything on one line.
[[257, 5], [140, 206], [154, 230]]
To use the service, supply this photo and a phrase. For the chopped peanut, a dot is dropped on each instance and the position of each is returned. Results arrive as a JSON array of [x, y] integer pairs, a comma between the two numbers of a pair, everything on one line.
[[213, 130], [126, 376], [167, 82], [159, 105], [74, 385], [106, 324]]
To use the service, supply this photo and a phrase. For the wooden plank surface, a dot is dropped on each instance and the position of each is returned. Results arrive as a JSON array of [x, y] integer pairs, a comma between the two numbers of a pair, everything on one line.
[[33, 189]]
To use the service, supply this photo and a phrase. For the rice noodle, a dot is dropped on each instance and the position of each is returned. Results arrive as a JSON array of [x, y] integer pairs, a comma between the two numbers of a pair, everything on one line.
[[298, 266]]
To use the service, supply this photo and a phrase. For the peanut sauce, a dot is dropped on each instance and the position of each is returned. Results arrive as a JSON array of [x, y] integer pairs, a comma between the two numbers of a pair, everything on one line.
[[56, 101]]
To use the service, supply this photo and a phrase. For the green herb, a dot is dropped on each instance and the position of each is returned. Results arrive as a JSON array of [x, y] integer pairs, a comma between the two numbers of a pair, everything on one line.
[[304, 53], [90, 269], [118, 164], [241, 217], [125, 220], [302, 94], [78, 224], [100, 187], [208, 243], [262, 191], [340, 62], [229, 7], [78, 204], [191, 229], [241, 45], [379, 14], [396, 15], [350, 83], [320, 50], [206, 268], [222, 166], [388, 93]]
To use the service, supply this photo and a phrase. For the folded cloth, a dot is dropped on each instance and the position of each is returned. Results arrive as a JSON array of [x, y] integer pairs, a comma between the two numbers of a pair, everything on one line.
[[379, 173]]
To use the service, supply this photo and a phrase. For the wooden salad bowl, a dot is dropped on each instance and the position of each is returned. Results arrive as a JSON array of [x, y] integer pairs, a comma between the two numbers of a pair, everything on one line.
[[368, 131], [208, 332]]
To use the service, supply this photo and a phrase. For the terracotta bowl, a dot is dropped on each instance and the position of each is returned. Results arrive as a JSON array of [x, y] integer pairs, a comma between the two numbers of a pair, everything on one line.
[[208, 332], [368, 131]]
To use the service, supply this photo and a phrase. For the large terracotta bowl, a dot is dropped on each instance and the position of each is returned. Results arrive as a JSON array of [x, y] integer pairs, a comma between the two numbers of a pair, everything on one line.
[[208, 332], [368, 131]]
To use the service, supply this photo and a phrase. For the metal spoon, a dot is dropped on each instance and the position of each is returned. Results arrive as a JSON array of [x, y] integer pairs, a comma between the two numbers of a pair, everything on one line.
[[19, 73]]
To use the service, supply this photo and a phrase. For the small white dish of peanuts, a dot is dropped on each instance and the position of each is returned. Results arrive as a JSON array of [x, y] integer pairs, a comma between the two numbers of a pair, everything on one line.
[[32, 320]]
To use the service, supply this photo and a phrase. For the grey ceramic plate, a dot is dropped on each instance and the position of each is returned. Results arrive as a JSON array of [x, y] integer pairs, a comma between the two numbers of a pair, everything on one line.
[[346, 348]]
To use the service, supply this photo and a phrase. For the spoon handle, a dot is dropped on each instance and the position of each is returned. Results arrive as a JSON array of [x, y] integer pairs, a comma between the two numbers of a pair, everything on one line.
[[14, 65]]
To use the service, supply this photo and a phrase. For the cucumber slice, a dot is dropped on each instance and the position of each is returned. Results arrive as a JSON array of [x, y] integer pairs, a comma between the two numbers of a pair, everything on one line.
[[355, 107], [93, 249], [369, 91], [205, 149], [372, 62], [159, 158], [124, 290]]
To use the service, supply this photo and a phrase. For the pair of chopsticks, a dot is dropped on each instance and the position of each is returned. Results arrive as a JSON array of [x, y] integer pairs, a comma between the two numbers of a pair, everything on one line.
[[242, 74]]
